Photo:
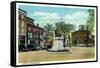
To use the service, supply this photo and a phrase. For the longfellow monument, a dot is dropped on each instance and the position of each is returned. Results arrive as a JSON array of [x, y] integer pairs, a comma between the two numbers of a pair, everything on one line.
[[57, 42]]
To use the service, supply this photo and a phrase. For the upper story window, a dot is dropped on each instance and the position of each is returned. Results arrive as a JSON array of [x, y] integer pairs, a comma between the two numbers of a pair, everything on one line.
[[29, 28], [22, 23], [22, 16], [22, 30]]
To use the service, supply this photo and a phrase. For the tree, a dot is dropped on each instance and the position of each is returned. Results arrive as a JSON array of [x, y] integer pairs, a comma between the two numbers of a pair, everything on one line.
[[48, 31], [91, 24], [91, 20], [64, 29]]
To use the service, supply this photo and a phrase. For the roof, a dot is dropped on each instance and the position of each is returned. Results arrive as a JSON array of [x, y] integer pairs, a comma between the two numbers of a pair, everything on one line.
[[22, 10], [81, 31], [31, 22]]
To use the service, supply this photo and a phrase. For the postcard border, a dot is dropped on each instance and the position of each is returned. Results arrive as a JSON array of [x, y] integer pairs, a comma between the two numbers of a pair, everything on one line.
[[13, 33]]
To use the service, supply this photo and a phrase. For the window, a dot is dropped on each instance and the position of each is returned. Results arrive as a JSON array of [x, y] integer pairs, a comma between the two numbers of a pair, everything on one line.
[[22, 31], [29, 28], [22, 23], [22, 16], [29, 35]]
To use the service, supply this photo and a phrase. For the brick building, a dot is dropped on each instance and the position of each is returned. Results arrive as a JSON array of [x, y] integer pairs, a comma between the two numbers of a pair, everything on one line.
[[34, 32], [80, 37], [29, 33]]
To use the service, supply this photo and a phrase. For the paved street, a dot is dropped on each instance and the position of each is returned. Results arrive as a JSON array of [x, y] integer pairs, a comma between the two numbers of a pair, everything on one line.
[[74, 54]]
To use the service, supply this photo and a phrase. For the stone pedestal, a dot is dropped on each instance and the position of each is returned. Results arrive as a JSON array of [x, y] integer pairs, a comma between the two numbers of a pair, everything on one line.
[[57, 44]]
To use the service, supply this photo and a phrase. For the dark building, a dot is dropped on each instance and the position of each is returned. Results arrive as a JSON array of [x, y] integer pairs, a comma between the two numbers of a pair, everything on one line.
[[34, 32], [80, 37]]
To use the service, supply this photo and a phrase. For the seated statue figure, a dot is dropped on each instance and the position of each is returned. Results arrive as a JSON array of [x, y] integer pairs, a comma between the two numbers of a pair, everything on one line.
[[57, 33]]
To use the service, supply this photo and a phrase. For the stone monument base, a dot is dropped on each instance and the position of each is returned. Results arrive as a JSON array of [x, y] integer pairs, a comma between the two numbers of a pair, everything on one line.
[[57, 45]]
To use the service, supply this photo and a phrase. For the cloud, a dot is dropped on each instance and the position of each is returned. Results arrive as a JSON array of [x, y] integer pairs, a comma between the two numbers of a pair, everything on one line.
[[44, 17], [76, 18]]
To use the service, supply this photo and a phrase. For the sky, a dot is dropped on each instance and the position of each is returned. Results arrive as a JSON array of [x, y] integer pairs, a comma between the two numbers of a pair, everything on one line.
[[47, 14]]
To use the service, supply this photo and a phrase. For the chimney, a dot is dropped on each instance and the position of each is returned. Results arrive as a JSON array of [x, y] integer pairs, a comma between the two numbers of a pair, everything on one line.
[[81, 27], [33, 21], [37, 24]]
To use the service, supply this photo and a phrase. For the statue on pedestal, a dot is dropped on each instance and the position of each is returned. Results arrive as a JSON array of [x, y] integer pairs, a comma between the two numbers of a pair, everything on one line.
[[58, 42], [57, 33]]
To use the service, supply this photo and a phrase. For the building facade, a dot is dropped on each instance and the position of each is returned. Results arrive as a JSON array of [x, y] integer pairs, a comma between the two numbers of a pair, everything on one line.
[[80, 37], [34, 32], [29, 33], [22, 28]]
